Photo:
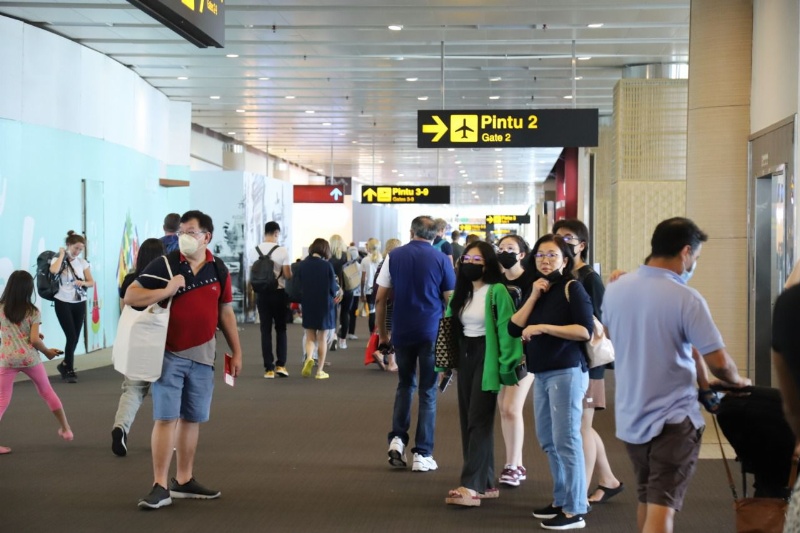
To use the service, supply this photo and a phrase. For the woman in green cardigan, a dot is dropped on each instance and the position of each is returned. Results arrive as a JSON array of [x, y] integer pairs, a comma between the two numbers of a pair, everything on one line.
[[488, 356]]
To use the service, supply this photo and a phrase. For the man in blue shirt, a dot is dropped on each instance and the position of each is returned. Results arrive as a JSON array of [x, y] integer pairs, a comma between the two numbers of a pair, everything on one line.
[[170, 239], [654, 319], [420, 280]]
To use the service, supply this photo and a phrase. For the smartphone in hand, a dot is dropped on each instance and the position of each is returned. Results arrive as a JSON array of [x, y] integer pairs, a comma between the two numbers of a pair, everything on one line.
[[445, 380]]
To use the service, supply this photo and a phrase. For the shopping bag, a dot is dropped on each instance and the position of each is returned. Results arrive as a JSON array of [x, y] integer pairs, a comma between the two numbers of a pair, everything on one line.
[[372, 347], [446, 347]]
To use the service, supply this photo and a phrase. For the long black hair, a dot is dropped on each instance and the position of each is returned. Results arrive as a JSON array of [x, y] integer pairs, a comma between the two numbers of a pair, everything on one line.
[[566, 251], [149, 250], [17, 298], [491, 274]]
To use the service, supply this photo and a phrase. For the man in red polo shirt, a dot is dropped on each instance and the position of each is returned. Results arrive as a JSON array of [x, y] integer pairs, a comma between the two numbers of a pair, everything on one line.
[[201, 291]]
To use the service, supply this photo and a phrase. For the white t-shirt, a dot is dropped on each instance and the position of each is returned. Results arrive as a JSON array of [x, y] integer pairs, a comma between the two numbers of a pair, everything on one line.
[[369, 267], [384, 278], [473, 316], [66, 291], [280, 258]]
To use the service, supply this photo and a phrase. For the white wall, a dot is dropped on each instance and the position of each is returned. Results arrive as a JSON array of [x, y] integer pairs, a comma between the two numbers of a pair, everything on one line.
[[310, 221]]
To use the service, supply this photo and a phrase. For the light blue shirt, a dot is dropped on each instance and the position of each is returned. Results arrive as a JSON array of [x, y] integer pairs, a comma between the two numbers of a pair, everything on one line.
[[654, 319]]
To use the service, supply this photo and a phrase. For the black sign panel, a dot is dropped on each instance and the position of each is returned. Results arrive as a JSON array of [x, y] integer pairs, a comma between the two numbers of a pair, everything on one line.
[[345, 184], [201, 22], [501, 128], [378, 194], [508, 219]]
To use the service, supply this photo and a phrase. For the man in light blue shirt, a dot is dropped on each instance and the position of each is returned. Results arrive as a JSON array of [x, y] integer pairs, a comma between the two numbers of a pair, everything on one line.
[[654, 319]]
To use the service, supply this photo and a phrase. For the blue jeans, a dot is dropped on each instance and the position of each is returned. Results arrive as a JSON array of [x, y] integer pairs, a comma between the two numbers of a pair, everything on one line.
[[558, 406], [407, 358]]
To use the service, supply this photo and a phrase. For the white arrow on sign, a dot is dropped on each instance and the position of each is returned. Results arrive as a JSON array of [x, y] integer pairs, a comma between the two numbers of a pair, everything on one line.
[[336, 193]]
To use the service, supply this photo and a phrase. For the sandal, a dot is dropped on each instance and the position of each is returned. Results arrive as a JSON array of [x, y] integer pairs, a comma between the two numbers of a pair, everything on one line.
[[378, 358], [490, 494], [607, 493], [4, 450], [463, 496]]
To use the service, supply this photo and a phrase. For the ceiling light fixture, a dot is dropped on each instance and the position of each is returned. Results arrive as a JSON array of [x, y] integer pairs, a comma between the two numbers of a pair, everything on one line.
[[326, 123], [584, 58], [232, 55], [310, 111], [451, 149], [395, 27], [394, 170], [240, 110], [263, 79], [214, 97], [183, 77], [498, 149], [289, 97], [595, 25], [231, 133], [423, 98], [496, 78], [494, 98], [577, 78], [568, 97], [412, 79]]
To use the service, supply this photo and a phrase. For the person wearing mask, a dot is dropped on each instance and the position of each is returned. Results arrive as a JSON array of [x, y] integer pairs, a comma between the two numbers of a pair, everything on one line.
[[554, 320], [487, 358], [576, 234], [134, 391], [512, 250], [70, 300]]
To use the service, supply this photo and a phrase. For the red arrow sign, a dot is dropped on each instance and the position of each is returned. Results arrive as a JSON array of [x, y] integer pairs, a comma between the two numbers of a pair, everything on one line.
[[318, 194]]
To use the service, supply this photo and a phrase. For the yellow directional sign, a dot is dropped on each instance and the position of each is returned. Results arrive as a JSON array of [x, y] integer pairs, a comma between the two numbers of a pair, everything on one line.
[[432, 194], [508, 219], [463, 128], [472, 228], [438, 129]]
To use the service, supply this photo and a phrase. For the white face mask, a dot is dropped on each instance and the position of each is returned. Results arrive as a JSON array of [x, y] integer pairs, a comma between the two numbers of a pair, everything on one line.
[[687, 274], [188, 244]]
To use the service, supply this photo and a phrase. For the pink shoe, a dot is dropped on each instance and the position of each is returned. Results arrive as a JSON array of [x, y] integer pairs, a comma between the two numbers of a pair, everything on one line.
[[4, 450], [66, 435]]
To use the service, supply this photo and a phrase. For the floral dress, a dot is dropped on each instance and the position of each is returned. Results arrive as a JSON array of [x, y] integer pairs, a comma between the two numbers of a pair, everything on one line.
[[16, 350]]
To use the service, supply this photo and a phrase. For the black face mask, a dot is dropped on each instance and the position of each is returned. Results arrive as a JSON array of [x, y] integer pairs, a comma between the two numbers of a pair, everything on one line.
[[471, 271], [507, 259], [553, 276]]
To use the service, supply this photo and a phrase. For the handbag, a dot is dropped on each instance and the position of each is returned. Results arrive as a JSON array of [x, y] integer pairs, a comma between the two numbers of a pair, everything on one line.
[[351, 275], [599, 349], [756, 515], [446, 347], [138, 351]]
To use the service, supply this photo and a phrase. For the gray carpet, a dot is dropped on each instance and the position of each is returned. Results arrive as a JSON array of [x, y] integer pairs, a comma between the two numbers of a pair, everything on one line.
[[288, 455]]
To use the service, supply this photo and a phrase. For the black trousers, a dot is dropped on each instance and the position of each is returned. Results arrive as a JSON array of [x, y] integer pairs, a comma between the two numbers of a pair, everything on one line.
[[345, 314], [70, 317], [272, 309], [476, 410]]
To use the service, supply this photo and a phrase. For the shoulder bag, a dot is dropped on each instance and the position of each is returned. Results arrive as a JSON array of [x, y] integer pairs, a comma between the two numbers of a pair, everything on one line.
[[446, 347], [138, 351], [599, 349]]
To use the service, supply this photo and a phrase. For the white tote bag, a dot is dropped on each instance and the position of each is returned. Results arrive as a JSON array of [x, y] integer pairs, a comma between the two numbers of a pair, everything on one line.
[[138, 351]]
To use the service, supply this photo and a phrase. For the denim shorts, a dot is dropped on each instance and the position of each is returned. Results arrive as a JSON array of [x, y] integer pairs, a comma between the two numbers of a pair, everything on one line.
[[183, 391]]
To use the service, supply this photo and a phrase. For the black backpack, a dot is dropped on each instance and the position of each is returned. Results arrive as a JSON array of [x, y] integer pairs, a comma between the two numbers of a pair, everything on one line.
[[47, 283], [294, 291], [262, 273]]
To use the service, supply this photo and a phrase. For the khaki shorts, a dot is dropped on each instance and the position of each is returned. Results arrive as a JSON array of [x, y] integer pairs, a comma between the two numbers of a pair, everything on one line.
[[665, 465], [595, 397]]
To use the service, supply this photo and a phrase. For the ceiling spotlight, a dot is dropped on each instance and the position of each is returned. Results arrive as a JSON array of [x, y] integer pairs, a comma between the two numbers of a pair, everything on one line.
[[464, 175], [214, 97], [326, 123], [231, 133], [310, 111], [494, 98], [568, 97], [400, 175], [263, 79], [240, 110], [395, 27], [584, 58], [289, 97], [232, 55], [498, 149], [412, 79], [458, 162], [354, 142], [423, 98], [595, 25], [451, 149], [394, 170], [502, 192], [183, 77], [496, 78], [577, 78]]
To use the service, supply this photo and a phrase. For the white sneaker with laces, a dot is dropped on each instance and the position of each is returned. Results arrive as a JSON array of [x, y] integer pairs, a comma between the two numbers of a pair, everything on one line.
[[397, 455], [423, 464]]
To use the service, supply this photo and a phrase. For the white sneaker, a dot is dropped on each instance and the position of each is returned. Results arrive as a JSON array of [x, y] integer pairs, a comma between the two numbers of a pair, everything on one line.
[[397, 455], [342, 344], [352, 337], [423, 464]]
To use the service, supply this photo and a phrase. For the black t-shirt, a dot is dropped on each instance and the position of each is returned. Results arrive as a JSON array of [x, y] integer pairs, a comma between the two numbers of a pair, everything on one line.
[[126, 282], [520, 288], [786, 330]]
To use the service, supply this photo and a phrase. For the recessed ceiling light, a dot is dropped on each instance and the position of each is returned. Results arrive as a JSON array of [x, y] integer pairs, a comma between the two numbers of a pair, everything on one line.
[[464, 175], [423, 98], [462, 171], [499, 178], [214, 97], [568, 97], [584, 58], [474, 192], [469, 183], [395, 27], [401, 175], [595, 25], [240, 110], [310, 111], [458, 162], [577, 78], [400, 58], [232, 55], [451, 149], [502, 192], [498, 149], [289, 97], [263, 79], [183, 77], [354, 142], [394, 170], [496, 78], [231, 133], [494, 98], [381, 162], [326, 123], [412, 79]]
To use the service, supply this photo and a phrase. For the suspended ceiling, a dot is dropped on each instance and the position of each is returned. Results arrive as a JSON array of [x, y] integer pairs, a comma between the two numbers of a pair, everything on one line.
[[328, 86]]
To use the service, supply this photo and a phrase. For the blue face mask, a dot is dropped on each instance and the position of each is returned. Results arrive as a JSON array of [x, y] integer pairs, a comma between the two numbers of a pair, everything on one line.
[[687, 274]]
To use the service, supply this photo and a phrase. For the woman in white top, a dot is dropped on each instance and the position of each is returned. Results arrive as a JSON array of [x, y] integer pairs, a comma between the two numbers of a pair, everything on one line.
[[369, 265], [70, 300]]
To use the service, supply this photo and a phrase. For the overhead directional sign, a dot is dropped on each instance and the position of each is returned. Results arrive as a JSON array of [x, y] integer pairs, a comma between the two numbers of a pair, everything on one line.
[[318, 194], [471, 228], [508, 219], [520, 128], [201, 22], [405, 195]]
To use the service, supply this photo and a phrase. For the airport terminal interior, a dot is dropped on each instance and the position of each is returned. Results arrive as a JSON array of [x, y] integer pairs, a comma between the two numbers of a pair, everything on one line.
[[352, 118]]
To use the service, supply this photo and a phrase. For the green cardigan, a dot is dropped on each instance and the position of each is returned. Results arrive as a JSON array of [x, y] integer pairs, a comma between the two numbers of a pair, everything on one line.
[[503, 352]]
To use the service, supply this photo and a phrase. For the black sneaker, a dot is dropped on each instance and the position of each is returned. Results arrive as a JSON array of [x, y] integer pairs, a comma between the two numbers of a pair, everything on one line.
[[561, 522], [62, 370], [191, 489], [72, 377], [547, 512], [119, 441], [158, 497]]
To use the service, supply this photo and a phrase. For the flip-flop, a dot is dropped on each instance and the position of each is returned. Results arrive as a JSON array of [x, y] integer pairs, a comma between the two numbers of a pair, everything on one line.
[[378, 358], [308, 366], [607, 493], [4, 450], [462, 496], [490, 494]]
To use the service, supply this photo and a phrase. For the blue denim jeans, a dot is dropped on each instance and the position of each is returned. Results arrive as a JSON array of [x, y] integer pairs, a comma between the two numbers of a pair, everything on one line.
[[407, 358], [558, 406]]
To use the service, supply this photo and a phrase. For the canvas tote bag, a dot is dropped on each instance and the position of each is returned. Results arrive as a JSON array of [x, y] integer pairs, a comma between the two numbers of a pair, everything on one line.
[[138, 351], [599, 349]]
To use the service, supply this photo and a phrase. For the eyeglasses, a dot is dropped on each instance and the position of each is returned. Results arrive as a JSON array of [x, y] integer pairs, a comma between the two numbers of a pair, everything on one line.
[[476, 259], [194, 234], [570, 239], [551, 256]]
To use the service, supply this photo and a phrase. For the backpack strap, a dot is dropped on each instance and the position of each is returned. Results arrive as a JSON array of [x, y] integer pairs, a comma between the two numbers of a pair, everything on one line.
[[261, 254]]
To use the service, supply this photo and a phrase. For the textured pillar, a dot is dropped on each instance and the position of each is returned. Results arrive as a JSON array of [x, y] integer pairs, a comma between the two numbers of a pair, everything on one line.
[[720, 46]]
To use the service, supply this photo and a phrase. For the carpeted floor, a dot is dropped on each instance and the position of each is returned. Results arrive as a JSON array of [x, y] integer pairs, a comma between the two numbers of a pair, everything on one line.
[[289, 455]]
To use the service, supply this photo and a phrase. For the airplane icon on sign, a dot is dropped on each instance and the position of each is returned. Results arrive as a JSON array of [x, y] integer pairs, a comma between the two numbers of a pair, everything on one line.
[[464, 129]]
